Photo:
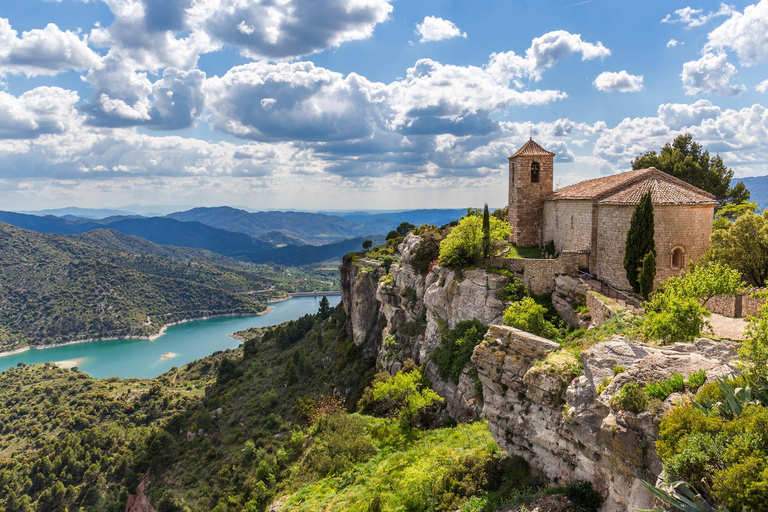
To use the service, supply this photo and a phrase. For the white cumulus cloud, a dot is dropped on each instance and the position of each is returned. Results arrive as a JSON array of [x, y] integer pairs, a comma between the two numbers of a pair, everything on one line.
[[39, 111], [762, 86], [672, 43], [437, 29], [745, 33], [695, 17], [46, 51], [711, 74], [609, 81]]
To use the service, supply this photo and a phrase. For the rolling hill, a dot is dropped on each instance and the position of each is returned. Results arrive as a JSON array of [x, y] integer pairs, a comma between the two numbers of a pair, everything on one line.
[[758, 189], [58, 289]]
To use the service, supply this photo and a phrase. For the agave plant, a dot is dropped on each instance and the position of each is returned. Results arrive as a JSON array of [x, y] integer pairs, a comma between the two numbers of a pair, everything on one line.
[[683, 497], [736, 398]]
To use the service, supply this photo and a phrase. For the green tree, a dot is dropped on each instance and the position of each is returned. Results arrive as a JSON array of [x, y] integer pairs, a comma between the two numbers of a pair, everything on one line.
[[676, 312], [463, 245], [743, 245], [409, 396], [754, 350], [486, 232], [325, 308], [639, 240], [529, 316], [647, 274], [404, 228], [367, 244], [683, 158], [392, 235]]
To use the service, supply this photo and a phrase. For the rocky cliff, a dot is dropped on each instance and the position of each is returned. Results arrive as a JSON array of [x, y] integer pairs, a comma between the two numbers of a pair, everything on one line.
[[561, 425]]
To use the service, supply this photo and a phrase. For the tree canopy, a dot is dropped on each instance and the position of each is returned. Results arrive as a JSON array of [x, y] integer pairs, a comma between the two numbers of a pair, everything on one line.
[[685, 159], [463, 245], [743, 245]]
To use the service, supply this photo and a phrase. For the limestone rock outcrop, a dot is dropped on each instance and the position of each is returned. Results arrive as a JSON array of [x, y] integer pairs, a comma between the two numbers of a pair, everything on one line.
[[565, 429]]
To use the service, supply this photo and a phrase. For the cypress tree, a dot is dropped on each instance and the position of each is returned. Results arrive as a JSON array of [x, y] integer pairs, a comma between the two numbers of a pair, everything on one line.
[[486, 232], [647, 274], [639, 240], [325, 308]]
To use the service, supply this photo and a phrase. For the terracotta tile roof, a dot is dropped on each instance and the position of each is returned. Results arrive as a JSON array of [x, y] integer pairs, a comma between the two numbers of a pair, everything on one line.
[[628, 187], [531, 148]]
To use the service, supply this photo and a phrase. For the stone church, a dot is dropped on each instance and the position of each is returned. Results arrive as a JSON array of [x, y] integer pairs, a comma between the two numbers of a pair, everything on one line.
[[593, 216]]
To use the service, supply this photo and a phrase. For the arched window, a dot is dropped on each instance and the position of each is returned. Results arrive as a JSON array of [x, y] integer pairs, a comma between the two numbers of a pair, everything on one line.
[[535, 172], [678, 258]]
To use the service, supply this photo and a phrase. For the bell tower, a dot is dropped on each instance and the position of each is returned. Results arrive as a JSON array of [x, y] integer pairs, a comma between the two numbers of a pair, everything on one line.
[[531, 171]]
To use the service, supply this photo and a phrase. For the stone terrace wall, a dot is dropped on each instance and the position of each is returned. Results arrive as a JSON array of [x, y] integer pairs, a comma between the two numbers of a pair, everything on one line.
[[729, 306], [539, 274]]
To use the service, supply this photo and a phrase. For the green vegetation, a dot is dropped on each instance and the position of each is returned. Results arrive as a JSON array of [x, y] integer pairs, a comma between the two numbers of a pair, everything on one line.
[[717, 445], [513, 291], [663, 388], [463, 245], [456, 347], [640, 242], [631, 397], [754, 350], [742, 245], [683, 158], [408, 395], [530, 316], [487, 247], [676, 311], [647, 274], [428, 250]]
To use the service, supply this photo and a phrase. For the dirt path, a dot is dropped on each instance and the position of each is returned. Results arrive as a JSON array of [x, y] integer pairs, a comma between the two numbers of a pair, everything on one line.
[[729, 328]]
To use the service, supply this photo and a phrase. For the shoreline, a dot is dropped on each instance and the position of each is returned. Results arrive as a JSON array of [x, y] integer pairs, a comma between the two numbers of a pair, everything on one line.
[[128, 337]]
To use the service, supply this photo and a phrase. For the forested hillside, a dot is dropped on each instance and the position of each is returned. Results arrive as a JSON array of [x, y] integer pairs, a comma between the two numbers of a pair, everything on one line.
[[55, 289]]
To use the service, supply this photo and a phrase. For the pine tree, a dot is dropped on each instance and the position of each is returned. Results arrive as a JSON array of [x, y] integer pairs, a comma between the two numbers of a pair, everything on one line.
[[486, 232], [325, 308], [647, 274], [639, 240]]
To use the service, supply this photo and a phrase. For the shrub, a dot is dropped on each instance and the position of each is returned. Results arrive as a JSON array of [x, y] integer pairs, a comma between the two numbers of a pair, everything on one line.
[[462, 247], [513, 291], [676, 312], [392, 235], [409, 395], [754, 349], [619, 369], [427, 250], [630, 398], [529, 316], [696, 380], [662, 389], [409, 294], [603, 385], [582, 495], [456, 347]]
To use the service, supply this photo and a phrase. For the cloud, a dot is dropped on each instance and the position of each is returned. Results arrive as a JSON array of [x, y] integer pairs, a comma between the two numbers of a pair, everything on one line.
[[745, 33], [437, 29], [672, 43], [762, 86], [545, 51], [40, 111], [739, 136], [291, 28], [608, 81], [123, 97], [47, 51], [711, 74], [695, 17]]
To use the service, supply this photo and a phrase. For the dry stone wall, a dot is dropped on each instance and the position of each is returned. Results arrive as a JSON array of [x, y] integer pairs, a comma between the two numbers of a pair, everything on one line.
[[568, 224]]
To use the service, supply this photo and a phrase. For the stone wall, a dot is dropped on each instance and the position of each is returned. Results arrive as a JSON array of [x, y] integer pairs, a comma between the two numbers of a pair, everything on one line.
[[539, 274], [568, 224], [687, 227], [736, 307], [526, 209]]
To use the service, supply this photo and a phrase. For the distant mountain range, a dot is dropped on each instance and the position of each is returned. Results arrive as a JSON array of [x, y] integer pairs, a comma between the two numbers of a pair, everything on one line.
[[758, 189], [288, 238]]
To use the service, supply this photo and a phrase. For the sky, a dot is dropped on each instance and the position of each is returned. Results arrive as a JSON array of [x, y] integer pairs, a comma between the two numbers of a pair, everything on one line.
[[362, 104]]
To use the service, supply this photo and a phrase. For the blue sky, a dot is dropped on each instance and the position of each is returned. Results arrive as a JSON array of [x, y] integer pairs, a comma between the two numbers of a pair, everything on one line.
[[346, 104]]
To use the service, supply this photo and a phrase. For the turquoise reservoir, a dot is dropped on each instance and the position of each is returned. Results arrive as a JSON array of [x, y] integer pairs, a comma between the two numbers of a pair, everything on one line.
[[180, 344]]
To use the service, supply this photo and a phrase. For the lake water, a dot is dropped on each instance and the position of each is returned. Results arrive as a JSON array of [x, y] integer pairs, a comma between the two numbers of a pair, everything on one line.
[[188, 341]]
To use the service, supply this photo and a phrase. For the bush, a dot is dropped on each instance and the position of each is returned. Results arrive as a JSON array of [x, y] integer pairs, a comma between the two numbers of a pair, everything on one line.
[[696, 380], [462, 247], [408, 394], [392, 235], [630, 398], [581, 494], [427, 251], [663, 388], [513, 291], [529, 316], [456, 347], [754, 351]]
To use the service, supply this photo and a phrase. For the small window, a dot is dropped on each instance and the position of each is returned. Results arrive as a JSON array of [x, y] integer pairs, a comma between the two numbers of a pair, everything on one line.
[[678, 258], [535, 172], [571, 221]]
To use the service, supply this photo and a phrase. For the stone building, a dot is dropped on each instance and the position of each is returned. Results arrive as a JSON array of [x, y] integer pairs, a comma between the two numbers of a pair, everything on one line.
[[593, 216]]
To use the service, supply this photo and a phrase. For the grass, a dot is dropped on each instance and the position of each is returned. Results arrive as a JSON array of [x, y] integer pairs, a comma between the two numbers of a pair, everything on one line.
[[523, 252], [401, 476]]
